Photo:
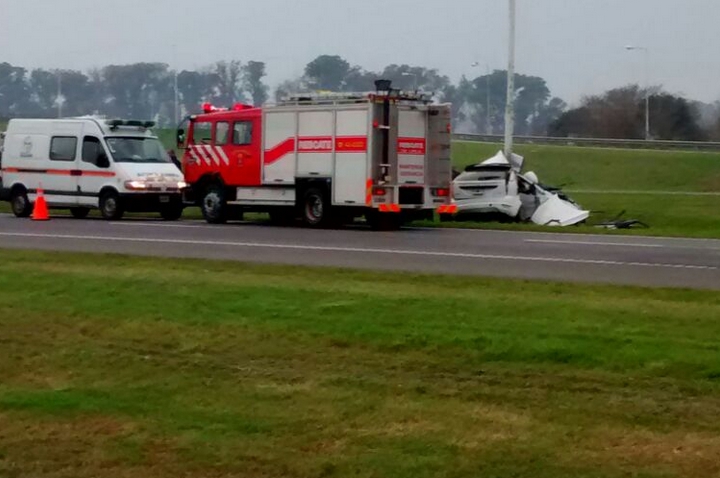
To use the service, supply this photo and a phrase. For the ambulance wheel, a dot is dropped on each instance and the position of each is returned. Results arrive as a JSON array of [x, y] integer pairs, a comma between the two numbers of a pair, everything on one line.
[[110, 206], [213, 206], [315, 208], [79, 212], [172, 212], [20, 203]]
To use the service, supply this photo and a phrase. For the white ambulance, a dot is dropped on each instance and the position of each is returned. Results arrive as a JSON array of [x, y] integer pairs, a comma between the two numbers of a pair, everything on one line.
[[86, 163]]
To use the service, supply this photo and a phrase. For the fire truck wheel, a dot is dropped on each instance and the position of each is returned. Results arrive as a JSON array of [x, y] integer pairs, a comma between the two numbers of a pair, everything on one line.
[[80, 212], [213, 205], [110, 206], [20, 203], [315, 211]]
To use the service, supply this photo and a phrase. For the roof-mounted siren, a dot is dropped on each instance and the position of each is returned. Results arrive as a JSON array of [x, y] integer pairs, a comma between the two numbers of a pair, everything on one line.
[[242, 107], [116, 123], [384, 88], [383, 85], [209, 108]]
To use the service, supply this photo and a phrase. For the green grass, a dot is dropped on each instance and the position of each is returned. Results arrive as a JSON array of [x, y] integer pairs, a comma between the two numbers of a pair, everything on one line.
[[608, 169], [115, 366]]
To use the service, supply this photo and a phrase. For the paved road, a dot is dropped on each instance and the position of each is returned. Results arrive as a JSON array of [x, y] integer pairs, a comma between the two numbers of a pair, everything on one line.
[[582, 258]]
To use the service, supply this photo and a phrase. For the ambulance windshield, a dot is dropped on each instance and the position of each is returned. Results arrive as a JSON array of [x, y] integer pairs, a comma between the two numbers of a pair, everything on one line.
[[137, 150]]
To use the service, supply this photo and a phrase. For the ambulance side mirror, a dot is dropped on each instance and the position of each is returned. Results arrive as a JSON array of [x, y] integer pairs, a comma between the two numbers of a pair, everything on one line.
[[180, 139]]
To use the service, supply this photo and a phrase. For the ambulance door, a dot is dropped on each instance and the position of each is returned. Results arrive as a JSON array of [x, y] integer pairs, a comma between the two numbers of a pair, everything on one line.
[[59, 183], [94, 170]]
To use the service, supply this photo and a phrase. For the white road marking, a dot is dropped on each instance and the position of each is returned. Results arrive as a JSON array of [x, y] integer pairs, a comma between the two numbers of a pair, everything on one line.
[[366, 250], [198, 225], [648, 193], [591, 243], [565, 234]]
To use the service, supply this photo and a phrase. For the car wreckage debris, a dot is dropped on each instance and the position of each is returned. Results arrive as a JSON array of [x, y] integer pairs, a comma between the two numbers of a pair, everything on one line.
[[498, 187], [618, 223]]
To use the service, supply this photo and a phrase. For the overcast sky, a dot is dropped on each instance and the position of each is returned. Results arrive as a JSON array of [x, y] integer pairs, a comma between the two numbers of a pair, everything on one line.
[[576, 45]]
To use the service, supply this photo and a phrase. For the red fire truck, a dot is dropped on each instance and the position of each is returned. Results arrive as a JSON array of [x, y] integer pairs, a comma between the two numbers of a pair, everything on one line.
[[325, 158]]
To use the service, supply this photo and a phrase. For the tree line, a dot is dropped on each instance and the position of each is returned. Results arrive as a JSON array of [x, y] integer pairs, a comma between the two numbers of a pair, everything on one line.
[[147, 90]]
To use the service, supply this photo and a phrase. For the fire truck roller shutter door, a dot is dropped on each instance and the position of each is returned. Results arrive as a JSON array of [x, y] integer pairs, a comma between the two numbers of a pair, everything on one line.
[[351, 157], [315, 143], [411, 147], [279, 156]]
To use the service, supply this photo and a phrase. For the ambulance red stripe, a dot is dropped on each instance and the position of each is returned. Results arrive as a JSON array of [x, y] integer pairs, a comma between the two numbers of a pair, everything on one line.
[[61, 172]]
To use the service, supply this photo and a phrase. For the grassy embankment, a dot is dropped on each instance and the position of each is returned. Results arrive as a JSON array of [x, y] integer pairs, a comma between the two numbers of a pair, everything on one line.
[[609, 181], [126, 367]]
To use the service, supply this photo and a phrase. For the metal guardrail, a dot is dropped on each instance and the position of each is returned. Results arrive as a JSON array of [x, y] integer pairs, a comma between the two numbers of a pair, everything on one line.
[[598, 142]]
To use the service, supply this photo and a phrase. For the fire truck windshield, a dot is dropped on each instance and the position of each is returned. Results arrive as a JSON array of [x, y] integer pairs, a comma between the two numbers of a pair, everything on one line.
[[137, 150]]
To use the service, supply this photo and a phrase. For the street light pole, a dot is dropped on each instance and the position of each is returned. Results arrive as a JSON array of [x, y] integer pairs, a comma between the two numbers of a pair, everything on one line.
[[175, 86], [488, 125], [647, 85], [59, 93], [414, 75], [510, 103]]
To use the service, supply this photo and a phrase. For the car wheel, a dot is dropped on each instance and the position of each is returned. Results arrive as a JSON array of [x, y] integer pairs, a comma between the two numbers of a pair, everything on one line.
[[20, 203], [213, 206], [110, 206], [80, 212]]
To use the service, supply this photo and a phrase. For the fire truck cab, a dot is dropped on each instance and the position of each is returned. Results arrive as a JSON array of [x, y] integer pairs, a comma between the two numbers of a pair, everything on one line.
[[326, 159]]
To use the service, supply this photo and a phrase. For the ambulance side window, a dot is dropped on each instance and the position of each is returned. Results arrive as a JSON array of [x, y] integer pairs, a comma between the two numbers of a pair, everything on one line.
[[242, 133], [202, 133], [221, 133], [92, 150], [63, 148]]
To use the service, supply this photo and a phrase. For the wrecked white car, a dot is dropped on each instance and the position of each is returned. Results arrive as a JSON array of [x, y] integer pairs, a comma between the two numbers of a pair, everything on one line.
[[497, 186]]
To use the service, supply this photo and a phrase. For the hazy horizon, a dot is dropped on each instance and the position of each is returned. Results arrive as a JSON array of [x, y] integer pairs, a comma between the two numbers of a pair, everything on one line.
[[577, 46]]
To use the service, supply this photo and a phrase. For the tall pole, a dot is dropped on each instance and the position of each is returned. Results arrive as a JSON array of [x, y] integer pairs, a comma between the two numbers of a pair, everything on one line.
[[175, 86], [177, 101], [647, 94], [488, 125], [510, 104], [646, 52], [59, 93]]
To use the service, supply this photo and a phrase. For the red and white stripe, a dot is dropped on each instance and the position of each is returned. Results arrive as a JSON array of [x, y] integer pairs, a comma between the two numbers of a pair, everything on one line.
[[208, 155]]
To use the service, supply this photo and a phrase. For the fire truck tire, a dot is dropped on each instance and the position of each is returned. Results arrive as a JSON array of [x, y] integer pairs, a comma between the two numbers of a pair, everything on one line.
[[213, 206], [111, 207], [21, 205], [315, 208], [79, 212]]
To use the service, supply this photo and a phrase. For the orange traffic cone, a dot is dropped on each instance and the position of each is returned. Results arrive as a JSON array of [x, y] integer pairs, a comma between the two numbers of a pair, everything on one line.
[[40, 210]]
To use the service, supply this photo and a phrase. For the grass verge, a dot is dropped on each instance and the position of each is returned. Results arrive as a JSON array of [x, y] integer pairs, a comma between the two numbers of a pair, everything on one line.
[[117, 366]]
